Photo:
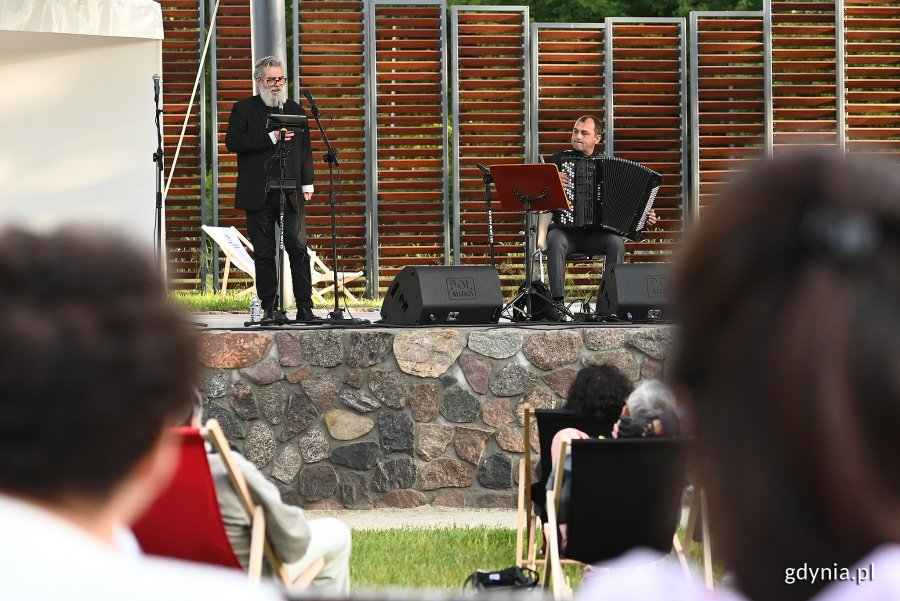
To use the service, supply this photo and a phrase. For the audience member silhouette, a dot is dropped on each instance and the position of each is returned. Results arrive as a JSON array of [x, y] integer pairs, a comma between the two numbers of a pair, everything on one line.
[[298, 541], [789, 295], [94, 363]]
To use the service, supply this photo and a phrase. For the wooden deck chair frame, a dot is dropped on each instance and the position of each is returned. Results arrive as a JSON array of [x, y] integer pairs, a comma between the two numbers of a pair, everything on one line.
[[321, 273], [259, 544], [231, 257], [213, 432], [698, 513], [555, 575], [525, 534], [548, 422]]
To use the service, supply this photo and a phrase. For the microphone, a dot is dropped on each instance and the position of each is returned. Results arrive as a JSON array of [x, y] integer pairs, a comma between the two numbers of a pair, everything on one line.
[[312, 103], [156, 87]]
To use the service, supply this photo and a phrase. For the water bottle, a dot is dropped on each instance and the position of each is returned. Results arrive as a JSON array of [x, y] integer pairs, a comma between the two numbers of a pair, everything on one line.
[[255, 309]]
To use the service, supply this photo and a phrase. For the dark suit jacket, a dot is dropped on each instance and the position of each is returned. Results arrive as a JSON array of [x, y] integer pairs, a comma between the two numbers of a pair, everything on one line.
[[247, 137]]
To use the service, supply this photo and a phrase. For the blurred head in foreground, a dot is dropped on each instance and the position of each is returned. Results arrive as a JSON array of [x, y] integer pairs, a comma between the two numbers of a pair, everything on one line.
[[94, 362], [788, 363]]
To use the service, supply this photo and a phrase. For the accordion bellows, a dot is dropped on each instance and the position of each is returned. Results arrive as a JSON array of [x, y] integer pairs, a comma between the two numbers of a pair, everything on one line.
[[613, 193]]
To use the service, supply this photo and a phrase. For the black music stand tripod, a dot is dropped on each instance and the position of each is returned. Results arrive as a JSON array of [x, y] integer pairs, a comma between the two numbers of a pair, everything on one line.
[[284, 186], [528, 188]]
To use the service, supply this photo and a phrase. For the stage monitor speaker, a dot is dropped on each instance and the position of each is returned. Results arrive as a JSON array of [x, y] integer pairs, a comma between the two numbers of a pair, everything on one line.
[[636, 291], [443, 295]]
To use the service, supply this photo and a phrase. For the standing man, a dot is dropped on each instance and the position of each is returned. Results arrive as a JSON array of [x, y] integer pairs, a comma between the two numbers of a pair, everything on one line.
[[256, 148], [564, 239]]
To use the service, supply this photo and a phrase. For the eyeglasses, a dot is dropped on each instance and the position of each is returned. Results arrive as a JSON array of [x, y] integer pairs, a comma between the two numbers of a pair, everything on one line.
[[275, 80]]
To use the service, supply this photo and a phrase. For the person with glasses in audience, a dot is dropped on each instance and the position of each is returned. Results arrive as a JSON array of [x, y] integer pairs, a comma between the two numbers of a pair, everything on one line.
[[247, 136]]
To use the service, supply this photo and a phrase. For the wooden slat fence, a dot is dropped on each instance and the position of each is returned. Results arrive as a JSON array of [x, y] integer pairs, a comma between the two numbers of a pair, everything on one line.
[[799, 72], [331, 66], [408, 149], [728, 123], [872, 76], [490, 113], [183, 27], [567, 76], [804, 109], [646, 104], [231, 70]]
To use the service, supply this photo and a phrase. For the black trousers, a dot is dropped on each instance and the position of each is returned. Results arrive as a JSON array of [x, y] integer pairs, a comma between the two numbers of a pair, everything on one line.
[[261, 225], [594, 242]]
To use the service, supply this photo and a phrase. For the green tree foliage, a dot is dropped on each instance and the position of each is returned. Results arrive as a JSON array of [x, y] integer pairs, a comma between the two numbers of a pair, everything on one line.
[[594, 11]]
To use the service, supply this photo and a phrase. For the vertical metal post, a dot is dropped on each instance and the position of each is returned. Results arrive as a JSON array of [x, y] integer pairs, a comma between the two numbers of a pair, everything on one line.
[[295, 51], [204, 213], [528, 144], [767, 80], [371, 148], [691, 216], [840, 93], [608, 96], [445, 152], [533, 101], [214, 122], [267, 29], [454, 93], [686, 202]]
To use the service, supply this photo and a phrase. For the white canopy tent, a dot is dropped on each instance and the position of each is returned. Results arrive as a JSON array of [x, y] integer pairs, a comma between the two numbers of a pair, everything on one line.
[[77, 114]]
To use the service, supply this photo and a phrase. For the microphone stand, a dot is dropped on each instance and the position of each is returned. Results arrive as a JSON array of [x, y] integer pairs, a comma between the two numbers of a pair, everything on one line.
[[336, 317], [488, 179], [158, 159], [281, 314], [278, 309]]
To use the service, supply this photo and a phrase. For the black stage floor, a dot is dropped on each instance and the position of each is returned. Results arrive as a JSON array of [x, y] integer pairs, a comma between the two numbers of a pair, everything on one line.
[[235, 322]]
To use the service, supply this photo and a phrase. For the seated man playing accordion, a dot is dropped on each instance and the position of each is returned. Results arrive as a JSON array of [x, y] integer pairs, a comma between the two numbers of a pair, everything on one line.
[[564, 236]]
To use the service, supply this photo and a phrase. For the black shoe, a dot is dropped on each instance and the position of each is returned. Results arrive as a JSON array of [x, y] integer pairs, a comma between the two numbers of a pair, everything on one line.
[[306, 314], [269, 317], [558, 310]]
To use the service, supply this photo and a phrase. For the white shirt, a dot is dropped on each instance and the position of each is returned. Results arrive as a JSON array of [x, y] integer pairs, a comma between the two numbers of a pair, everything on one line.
[[45, 557]]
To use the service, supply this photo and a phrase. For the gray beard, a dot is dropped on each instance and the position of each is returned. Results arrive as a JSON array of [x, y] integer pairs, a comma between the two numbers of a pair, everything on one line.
[[273, 99]]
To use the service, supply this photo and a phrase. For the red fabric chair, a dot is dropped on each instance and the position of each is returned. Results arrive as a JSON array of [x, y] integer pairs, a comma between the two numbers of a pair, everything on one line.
[[185, 522]]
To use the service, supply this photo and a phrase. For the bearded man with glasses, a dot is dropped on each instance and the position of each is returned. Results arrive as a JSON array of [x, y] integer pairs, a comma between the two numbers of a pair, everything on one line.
[[256, 148]]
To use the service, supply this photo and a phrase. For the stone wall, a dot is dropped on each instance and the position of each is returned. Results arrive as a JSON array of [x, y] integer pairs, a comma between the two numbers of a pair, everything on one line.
[[399, 418]]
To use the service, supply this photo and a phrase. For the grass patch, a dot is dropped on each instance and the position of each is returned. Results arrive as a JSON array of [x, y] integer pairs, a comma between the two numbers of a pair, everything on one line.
[[203, 303], [431, 558], [442, 558], [198, 302], [437, 558]]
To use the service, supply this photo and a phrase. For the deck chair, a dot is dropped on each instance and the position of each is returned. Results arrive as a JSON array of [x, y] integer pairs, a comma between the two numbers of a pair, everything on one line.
[[185, 522], [549, 422], [321, 274], [624, 494], [698, 515], [235, 247]]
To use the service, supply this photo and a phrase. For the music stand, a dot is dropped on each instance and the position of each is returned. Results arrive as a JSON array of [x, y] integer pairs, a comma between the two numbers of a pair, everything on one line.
[[284, 186], [528, 188]]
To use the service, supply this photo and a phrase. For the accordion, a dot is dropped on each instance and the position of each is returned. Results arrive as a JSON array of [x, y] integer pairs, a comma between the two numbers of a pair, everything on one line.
[[612, 193]]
